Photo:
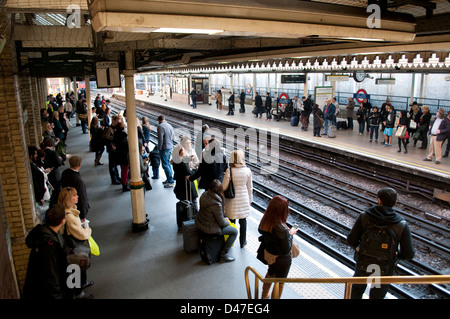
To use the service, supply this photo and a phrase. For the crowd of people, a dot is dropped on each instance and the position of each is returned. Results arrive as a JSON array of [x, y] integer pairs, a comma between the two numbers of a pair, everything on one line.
[[202, 178]]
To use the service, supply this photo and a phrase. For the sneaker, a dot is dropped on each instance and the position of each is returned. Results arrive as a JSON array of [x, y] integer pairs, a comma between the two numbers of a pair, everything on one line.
[[169, 185], [426, 159], [165, 182]]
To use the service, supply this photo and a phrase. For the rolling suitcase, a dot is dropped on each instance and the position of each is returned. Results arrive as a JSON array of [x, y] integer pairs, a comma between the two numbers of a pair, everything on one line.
[[210, 247], [191, 238], [294, 120], [331, 131], [185, 209]]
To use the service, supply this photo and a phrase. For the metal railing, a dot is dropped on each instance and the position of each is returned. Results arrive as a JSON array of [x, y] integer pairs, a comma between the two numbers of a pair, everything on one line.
[[348, 281]]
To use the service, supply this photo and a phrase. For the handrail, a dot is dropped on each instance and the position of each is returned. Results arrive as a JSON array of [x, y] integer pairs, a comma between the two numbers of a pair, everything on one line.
[[348, 281]]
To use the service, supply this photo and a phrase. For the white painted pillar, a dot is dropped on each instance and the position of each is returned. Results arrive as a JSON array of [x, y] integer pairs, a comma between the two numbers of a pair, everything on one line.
[[140, 222], [413, 84], [305, 86]]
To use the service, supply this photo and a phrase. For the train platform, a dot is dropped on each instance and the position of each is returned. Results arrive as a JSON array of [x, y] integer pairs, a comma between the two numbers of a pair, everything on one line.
[[153, 265], [347, 142]]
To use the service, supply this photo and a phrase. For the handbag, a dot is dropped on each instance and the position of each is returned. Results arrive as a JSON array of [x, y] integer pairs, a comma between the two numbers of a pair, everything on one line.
[[400, 131], [295, 251], [412, 125], [77, 251], [229, 192], [260, 251]]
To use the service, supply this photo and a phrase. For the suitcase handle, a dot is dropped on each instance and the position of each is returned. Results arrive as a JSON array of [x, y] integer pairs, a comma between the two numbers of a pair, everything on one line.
[[190, 192]]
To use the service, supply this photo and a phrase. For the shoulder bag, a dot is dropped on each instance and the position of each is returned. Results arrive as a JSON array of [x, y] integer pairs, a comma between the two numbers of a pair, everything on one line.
[[229, 192]]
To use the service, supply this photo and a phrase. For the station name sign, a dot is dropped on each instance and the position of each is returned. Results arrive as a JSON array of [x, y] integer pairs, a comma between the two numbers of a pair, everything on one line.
[[293, 78]]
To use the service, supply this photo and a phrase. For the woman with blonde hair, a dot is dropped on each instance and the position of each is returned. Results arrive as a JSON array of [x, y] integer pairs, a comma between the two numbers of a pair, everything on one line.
[[73, 227], [239, 206], [57, 126]]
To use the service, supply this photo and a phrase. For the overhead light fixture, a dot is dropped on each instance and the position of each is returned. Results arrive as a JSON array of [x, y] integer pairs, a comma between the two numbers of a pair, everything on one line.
[[183, 30]]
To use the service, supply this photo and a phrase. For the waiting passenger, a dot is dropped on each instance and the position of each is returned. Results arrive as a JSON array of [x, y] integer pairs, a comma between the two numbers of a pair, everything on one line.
[[121, 143], [317, 120], [210, 218], [97, 145], [350, 108], [186, 143], [389, 124], [71, 178], [277, 239], [47, 132], [268, 107], [403, 121], [212, 166], [374, 122], [47, 266], [438, 132], [81, 232], [424, 125], [165, 146], [380, 215], [183, 186], [360, 117], [239, 206], [155, 161]]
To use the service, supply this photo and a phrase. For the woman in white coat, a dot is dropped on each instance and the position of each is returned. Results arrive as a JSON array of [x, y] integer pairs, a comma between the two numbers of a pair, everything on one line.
[[239, 206]]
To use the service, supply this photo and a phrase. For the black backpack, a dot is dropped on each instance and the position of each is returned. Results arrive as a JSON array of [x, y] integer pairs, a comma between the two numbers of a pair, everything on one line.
[[378, 246]]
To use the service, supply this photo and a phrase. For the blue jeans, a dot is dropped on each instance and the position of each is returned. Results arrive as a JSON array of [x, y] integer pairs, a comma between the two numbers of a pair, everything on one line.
[[361, 127], [233, 233], [326, 123], [165, 163], [372, 130]]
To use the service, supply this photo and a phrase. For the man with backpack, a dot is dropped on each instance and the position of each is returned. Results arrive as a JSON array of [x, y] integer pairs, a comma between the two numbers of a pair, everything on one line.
[[376, 236]]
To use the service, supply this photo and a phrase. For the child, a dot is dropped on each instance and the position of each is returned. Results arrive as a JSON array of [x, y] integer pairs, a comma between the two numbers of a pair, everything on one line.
[[155, 160], [389, 124], [374, 121], [318, 120]]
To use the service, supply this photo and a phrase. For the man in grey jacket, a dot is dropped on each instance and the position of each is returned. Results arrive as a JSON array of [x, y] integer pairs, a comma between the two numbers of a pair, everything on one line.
[[165, 146]]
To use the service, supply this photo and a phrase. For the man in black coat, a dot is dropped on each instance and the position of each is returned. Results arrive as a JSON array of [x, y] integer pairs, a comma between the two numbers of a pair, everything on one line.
[[424, 125], [212, 166], [381, 215], [242, 98], [71, 178], [53, 161], [38, 176], [47, 274], [258, 105]]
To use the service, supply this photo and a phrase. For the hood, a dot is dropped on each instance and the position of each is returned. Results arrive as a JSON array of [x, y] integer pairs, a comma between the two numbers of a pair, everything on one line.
[[383, 215], [40, 235], [209, 198]]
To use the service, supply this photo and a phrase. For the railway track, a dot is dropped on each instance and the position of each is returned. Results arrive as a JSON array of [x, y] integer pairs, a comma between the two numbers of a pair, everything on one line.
[[292, 176]]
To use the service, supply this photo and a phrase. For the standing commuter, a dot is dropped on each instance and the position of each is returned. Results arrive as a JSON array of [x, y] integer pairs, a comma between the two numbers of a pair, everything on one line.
[[219, 99], [239, 206], [108, 140], [403, 121], [258, 105], [438, 132], [165, 146], [361, 119], [424, 125], [367, 106], [242, 101], [47, 266], [448, 138], [304, 114], [193, 95], [97, 145], [360, 237], [328, 115], [122, 155], [268, 106], [277, 239], [317, 120], [374, 122], [231, 104], [71, 178], [389, 125], [81, 232], [350, 108]]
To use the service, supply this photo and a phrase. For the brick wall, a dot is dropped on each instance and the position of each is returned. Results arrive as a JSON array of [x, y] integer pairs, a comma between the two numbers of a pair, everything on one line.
[[15, 171]]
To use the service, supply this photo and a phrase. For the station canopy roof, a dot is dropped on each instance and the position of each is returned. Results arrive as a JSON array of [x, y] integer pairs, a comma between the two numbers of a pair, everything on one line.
[[66, 38]]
